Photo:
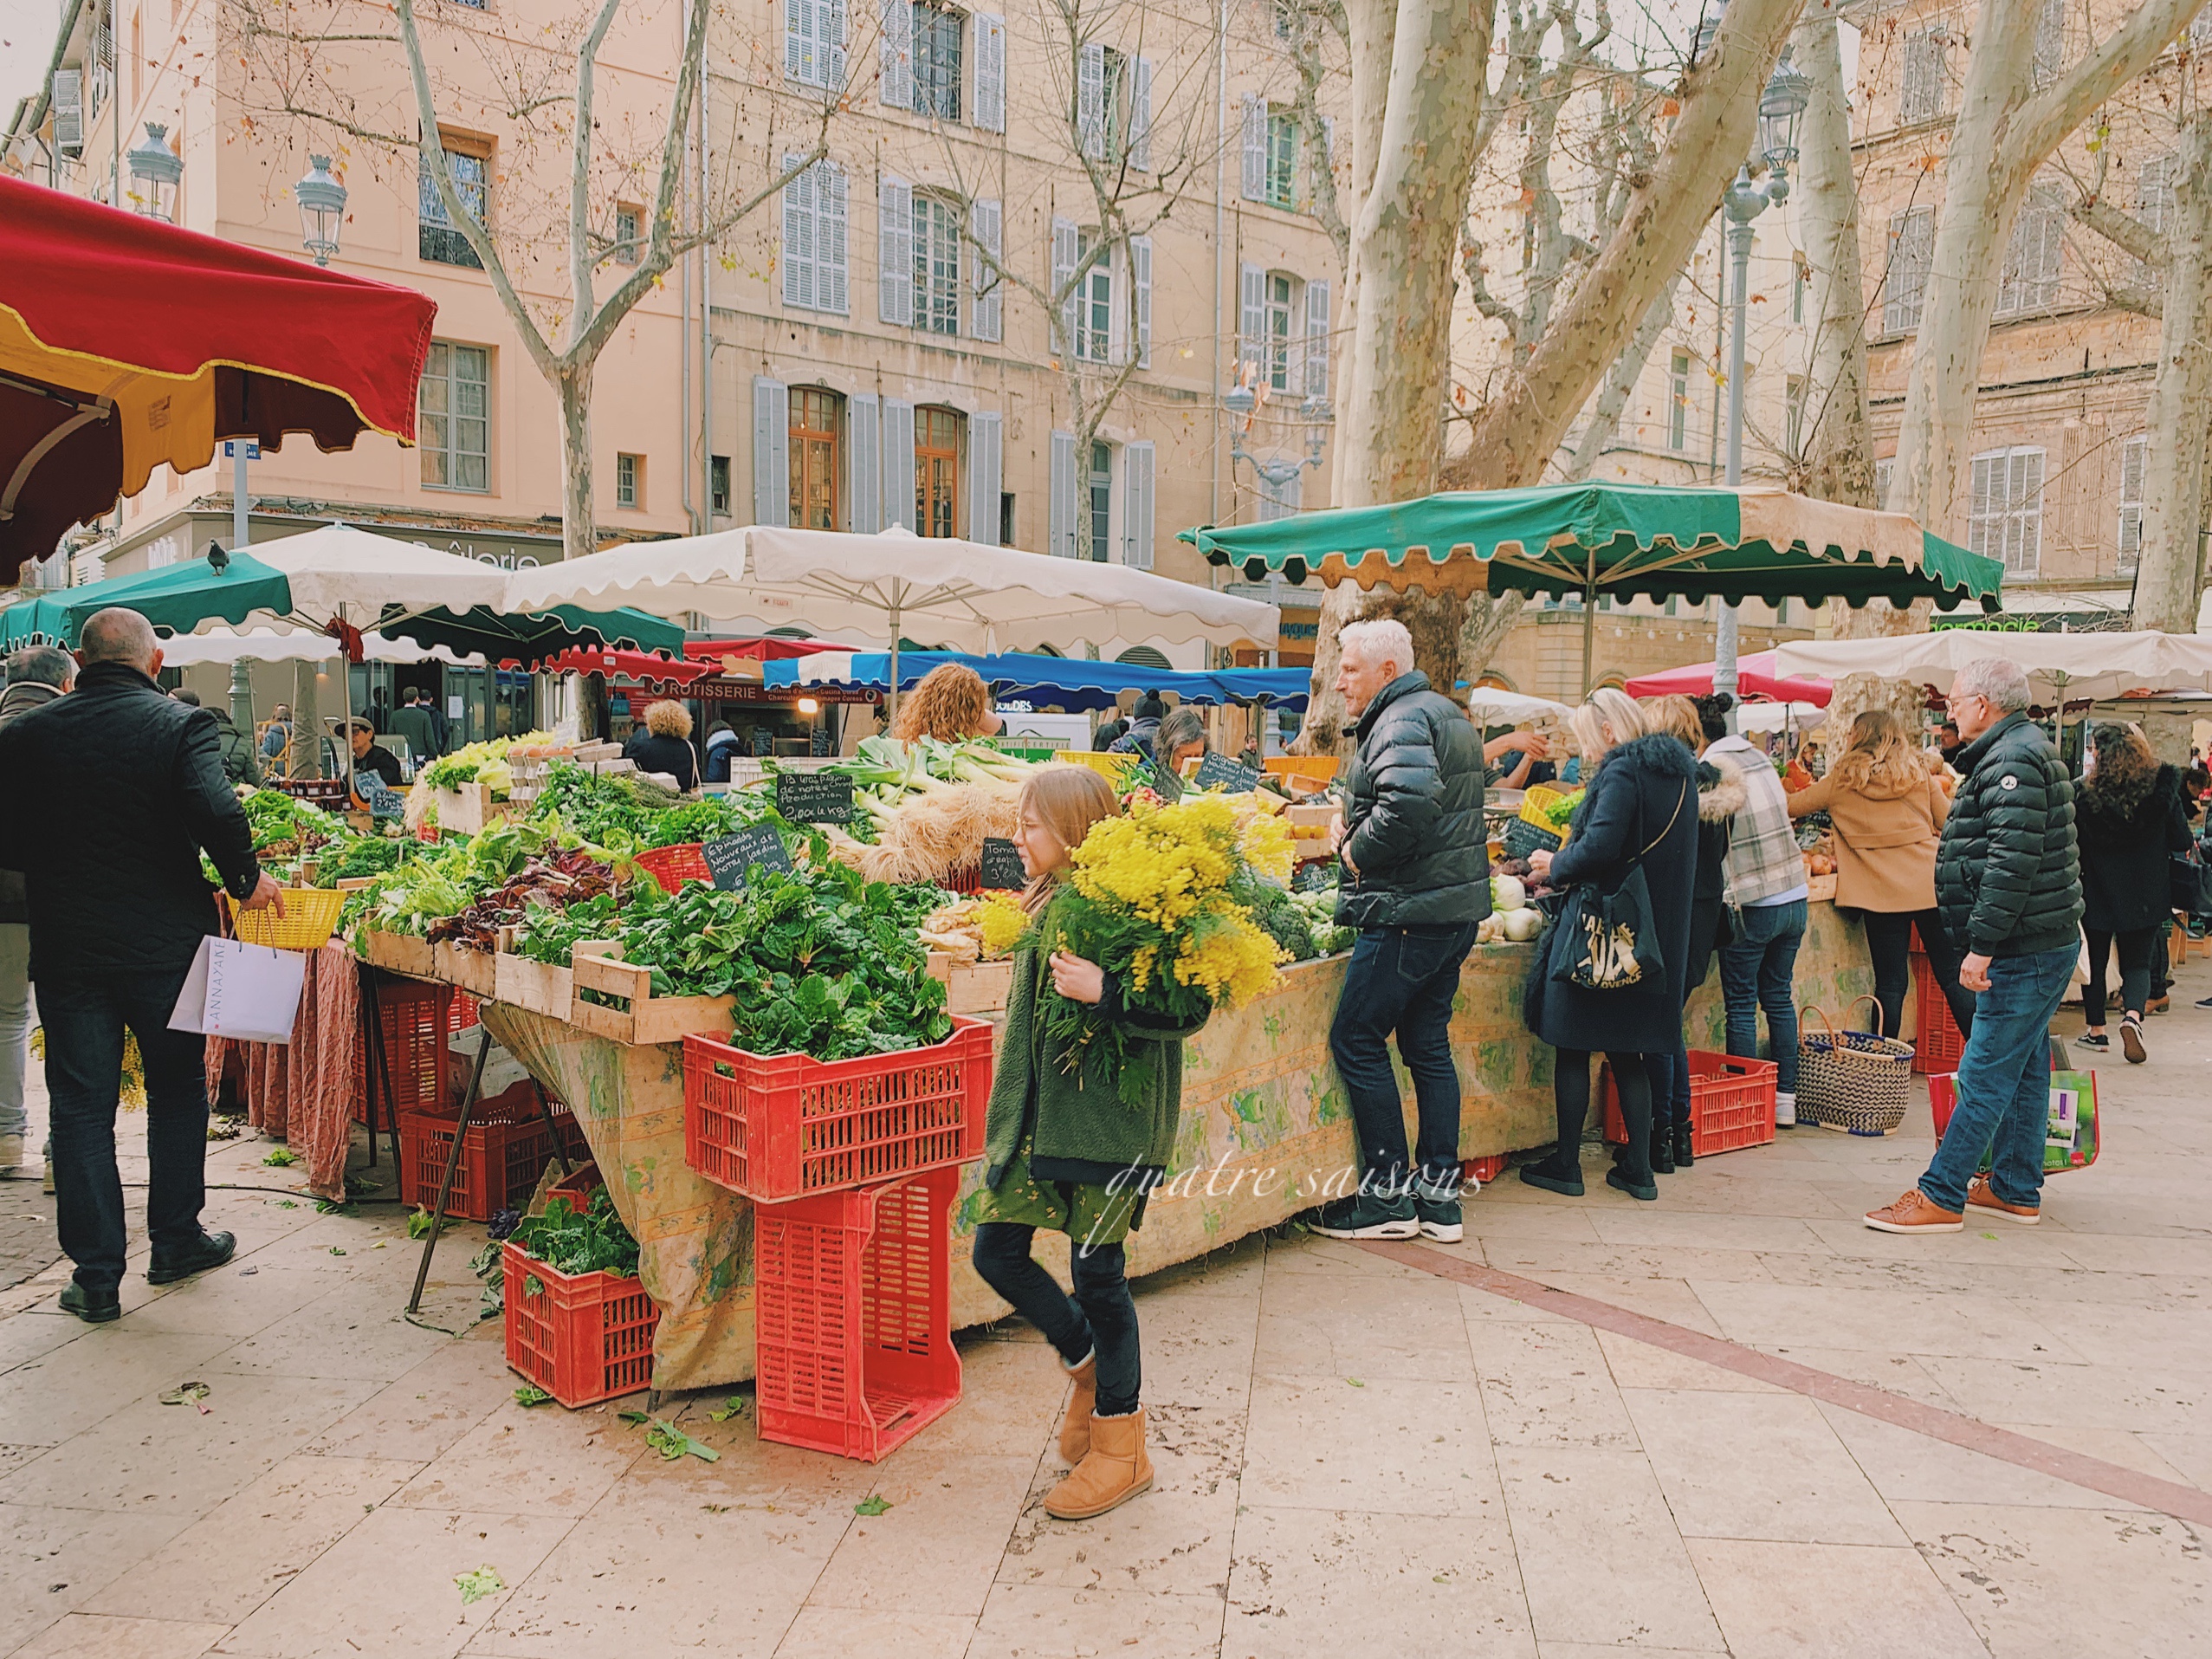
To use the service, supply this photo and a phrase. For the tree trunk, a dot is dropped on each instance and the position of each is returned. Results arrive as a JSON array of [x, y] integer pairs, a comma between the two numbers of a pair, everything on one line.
[[1838, 460], [578, 529], [1433, 619], [2170, 577]]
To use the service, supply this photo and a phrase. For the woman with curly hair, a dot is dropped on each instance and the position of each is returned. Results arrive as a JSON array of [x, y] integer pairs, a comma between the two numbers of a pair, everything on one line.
[[2128, 821], [950, 703], [662, 743]]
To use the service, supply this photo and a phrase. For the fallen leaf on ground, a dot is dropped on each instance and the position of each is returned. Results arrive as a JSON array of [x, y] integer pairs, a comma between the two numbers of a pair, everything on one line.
[[474, 1586]]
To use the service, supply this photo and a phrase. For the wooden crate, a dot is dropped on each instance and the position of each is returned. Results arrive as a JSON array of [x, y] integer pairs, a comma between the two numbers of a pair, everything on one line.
[[639, 1017], [468, 809], [399, 953], [973, 988], [472, 970], [537, 986]]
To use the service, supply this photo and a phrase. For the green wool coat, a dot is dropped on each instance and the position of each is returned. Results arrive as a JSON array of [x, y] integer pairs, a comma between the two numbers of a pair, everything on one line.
[[1082, 1129]]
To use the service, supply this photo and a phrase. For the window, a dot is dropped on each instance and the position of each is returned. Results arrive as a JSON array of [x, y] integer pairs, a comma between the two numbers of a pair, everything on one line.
[[1282, 160], [438, 239], [718, 483], [629, 481], [936, 266], [937, 62], [2030, 279], [1793, 415], [1912, 245], [814, 237], [814, 35], [2154, 196], [936, 473], [2005, 510], [2050, 42], [453, 417], [1276, 346], [1101, 501], [1920, 83], [1094, 304], [629, 234], [2135, 459], [815, 469], [1678, 402]]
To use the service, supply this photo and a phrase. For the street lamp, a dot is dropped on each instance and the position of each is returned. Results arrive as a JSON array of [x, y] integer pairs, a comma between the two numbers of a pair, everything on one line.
[[322, 209], [156, 171], [1780, 106], [1240, 401]]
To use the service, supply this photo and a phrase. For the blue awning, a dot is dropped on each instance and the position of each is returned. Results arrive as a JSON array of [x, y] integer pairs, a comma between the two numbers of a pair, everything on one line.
[[1070, 681]]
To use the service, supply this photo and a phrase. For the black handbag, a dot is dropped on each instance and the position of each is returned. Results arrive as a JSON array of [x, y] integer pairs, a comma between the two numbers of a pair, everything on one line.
[[1609, 942], [2186, 887]]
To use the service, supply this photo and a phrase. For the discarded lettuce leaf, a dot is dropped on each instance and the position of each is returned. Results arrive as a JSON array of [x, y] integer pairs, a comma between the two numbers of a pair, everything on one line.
[[531, 1394], [474, 1586], [280, 1157], [875, 1504]]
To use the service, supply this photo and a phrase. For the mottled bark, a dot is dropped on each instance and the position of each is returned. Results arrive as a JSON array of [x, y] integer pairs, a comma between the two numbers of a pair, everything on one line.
[[2170, 578], [1838, 463]]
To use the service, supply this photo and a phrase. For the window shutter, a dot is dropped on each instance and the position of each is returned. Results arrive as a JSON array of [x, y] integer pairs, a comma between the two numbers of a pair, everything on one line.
[[2050, 42], [1327, 148], [1136, 506], [833, 42], [798, 40], [1141, 117], [68, 97], [1117, 324], [894, 252], [1061, 541], [2135, 454], [1255, 151], [1141, 275], [2028, 497], [896, 87], [864, 442], [1318, 340], [1090, 99], [990, 72], [771, 452], [898, 463], [802, 239], [1252, 315], [1978, 513], [830, 285], [1066, 250], [984, 470], [989, 314]]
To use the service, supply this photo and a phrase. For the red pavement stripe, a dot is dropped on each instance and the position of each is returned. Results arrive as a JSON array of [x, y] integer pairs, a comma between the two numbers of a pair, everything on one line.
[[2092, 1473]]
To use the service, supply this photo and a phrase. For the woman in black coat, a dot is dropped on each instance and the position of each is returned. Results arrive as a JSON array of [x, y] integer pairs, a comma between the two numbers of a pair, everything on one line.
[[1640, 807], [662, 744], [2128, 820]]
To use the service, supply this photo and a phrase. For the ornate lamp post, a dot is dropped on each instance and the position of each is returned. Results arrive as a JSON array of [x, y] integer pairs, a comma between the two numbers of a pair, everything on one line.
[[156, 171]]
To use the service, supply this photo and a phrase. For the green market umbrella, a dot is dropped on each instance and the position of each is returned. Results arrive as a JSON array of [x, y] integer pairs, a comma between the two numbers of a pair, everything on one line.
[[1617, 540], [176, 599]]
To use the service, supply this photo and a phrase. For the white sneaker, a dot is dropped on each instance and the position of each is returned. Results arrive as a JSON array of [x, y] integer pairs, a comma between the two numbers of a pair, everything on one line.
[[1785, 1112]]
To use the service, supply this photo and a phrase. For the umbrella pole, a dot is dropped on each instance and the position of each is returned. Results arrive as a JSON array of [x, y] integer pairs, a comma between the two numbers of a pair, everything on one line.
[[891, 692], [1589, 633]]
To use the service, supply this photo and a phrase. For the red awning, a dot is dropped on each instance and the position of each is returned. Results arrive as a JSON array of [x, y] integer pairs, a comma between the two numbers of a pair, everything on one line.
[[125, 343], [645, 666], [771, 648], [1755, 678]]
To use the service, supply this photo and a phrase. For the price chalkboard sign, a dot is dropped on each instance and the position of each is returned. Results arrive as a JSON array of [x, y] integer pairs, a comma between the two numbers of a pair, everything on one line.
[[730, 858], [1218, 771], [814, 797], [1002, 866]]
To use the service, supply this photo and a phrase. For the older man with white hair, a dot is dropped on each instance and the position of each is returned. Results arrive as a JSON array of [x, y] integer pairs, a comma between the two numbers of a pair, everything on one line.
[[1415, 883], [2009, 882], [112, 792]]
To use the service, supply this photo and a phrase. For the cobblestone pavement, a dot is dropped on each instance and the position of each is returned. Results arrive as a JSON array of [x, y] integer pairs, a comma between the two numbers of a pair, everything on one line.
[[1357, 1454]]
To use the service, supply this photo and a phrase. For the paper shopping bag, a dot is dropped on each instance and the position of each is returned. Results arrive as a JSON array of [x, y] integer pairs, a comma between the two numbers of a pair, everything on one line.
[[249, 993]]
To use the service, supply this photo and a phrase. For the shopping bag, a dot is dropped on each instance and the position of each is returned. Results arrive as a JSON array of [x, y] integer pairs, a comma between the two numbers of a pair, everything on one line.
[[248, 993], [2071, 1131]]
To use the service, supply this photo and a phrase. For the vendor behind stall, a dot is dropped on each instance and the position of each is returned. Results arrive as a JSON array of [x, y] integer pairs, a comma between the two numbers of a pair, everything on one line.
[[950, 703], [376, 774], [664, 744], [1181, 738]]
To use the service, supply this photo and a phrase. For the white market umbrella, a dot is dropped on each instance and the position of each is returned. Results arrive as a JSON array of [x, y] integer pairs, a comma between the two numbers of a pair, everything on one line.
[[2060, 667], [962, 594], [1494, 707], [1780, 717], [267, 645]]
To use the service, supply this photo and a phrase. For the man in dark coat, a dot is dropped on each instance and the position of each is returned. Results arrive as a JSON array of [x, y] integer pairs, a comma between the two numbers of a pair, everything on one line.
[[2009, 882], [1416, 883], [114, 792], [413, 722]]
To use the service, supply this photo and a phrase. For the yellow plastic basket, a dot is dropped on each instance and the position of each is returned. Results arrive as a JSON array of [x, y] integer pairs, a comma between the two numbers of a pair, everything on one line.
[[1309, 772], [310, 915], [1532, 804], [1108, 767]]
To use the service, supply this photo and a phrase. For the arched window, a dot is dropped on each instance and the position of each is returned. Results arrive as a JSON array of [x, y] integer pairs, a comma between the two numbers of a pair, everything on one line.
[[817, 443]]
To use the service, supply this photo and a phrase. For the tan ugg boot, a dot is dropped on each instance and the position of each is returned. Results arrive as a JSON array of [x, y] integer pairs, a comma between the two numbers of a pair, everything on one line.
[[1114, 1470], [1075, 1429]]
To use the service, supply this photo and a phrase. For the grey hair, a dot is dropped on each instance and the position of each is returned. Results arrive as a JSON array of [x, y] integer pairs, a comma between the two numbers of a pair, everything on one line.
[[2001, 684], [1183, 725], [43, 664], [116, 635], [1385, 638]]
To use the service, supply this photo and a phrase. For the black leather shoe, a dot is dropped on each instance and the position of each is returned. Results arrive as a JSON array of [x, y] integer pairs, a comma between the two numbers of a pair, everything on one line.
[[212, 1251], [92, 1306]]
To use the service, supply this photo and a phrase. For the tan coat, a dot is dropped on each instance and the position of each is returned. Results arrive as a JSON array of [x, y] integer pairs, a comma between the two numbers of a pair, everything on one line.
[[1885, 842]]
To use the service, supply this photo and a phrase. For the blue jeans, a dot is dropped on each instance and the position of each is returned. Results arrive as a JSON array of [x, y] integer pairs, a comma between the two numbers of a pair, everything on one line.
[[2004, 1084], [1758, 967], [84, 1019], [1403, 978]]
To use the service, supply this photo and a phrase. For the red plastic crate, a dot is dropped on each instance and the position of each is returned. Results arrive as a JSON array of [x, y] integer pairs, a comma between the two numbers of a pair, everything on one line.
[[462, 1016], [576, 1186], [673, 866], [583, 1338], [775, 1127], [415, 1019], [852, 1305], [1486, 1170], [1731, 1103], [506, 1149], [1940, 1042]]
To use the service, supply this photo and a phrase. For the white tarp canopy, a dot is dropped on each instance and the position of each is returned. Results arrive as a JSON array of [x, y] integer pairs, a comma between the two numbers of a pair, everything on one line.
[[267, 645], [340, 571], [1494, 707], [1780, 717], [2060, 667]]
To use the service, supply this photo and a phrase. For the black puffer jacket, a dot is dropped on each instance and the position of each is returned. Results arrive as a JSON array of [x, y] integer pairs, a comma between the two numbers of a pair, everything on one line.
[[1413, 813], [2124, 852], [112, 793], [20, 699], [2008, 876]]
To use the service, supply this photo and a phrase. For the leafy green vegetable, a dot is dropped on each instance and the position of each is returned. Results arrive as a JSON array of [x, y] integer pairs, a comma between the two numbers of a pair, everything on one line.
[[593, 1241], [732, 1407], [874, 1504], [670, 1441], [362, 855], [474, 1586], [530, 1394], [280, 1157]]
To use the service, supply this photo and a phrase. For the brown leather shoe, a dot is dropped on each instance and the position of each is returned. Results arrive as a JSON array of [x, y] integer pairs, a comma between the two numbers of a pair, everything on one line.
[[1114, 1470], [1074, 1428], [1978, 1196], [1915, 1213]]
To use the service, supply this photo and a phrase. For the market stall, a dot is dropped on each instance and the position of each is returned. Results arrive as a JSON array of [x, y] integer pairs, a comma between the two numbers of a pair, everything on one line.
[[1064, 682]]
